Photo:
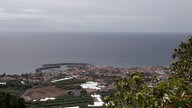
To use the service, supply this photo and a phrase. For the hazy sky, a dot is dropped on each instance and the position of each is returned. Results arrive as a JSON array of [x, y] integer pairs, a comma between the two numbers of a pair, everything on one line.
[[96, 15]]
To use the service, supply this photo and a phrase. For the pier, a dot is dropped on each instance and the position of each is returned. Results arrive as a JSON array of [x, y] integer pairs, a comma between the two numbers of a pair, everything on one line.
[[58, 65]]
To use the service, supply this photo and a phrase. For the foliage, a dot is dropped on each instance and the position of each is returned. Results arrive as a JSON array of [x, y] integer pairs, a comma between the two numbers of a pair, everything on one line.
[[69, 84], [176, 92], [16, 85], [10, 101], [183, 64], [11, 91]]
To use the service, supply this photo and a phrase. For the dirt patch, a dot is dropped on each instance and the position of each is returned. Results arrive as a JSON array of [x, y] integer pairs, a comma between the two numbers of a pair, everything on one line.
[[39, 93]]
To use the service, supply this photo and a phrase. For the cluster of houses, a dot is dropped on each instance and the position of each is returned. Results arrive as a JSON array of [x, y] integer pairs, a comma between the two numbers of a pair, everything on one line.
[[88, 72]]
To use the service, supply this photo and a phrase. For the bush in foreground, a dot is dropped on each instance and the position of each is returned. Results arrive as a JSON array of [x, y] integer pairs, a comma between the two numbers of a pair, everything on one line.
[[176, 92]]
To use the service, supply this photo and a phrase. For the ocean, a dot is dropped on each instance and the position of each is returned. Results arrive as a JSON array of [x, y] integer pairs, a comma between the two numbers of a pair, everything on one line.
[[24, 52]]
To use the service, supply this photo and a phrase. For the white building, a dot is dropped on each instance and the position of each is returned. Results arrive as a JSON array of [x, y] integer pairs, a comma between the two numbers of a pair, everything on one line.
[[90, 85], [99, 101], [46, 99]]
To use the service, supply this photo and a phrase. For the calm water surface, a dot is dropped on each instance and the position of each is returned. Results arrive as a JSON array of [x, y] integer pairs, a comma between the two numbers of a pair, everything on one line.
[[24, 52]]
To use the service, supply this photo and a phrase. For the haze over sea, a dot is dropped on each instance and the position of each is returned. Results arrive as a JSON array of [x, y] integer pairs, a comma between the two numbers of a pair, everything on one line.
[[24, 52]]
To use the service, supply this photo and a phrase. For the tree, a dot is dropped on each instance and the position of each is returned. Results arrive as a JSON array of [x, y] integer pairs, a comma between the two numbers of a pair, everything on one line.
[[126, 88], [132, 92], [183, 64], [10, 101], [176, 92]]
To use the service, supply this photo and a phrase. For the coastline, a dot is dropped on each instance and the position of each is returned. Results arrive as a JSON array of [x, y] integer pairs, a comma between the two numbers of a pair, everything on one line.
[[54, 81]]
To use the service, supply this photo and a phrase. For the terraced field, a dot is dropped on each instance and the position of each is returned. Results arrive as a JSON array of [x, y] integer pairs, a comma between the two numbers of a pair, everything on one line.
[[67, 93], [69, 84], [64, 101]]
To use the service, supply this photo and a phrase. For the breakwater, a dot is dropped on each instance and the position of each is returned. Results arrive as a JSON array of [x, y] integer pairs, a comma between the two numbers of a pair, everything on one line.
[[58, 65]]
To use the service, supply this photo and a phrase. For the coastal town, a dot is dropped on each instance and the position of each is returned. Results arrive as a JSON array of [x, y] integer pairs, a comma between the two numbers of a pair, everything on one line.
[[54, 80]]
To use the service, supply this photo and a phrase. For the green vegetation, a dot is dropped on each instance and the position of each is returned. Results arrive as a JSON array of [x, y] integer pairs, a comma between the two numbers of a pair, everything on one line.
[[11, 101], [69, 84], [15, 87], [105, 93], [64, 101], [16, 84], [11, 91], [176, 92], [183, 64]]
